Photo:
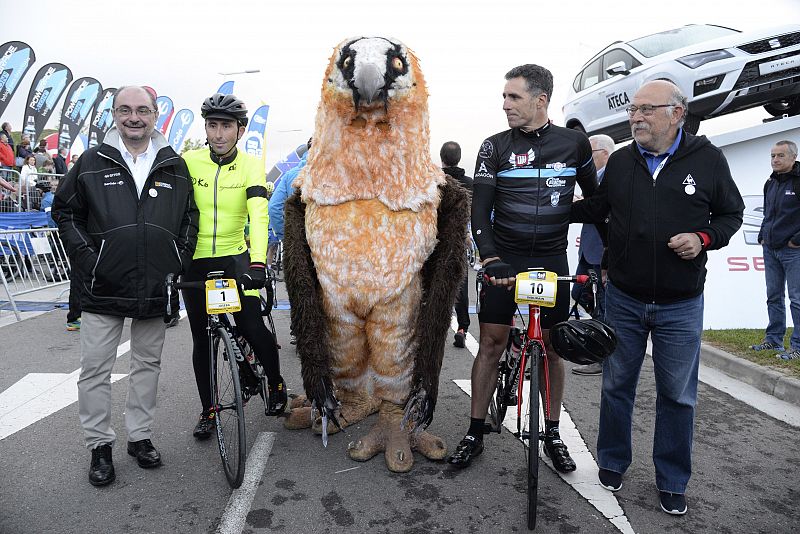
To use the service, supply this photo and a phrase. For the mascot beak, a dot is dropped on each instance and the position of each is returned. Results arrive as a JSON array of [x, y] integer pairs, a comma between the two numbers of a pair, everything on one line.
[[369, 82]]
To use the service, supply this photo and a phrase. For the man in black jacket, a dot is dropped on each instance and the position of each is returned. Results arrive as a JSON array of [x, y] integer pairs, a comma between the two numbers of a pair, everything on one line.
[[60, 161], [450, 154], [780, 239], [669, 198], [127, 217]]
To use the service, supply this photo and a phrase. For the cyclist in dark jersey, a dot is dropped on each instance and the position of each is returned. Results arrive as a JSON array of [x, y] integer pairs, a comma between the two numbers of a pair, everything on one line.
[[524, 184], [229, 188]]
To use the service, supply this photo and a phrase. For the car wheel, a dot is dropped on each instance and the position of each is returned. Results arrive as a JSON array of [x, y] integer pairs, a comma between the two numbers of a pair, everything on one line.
[[692, 123], [788, 106]]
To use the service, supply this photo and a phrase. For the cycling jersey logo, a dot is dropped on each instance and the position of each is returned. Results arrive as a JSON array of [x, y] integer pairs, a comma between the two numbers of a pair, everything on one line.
[[199, 181], [554, 196], [521, 160], [556, 182], [483, 172], [232, 167], [486, 150], [165, 185], [482, 168], [557, 166]]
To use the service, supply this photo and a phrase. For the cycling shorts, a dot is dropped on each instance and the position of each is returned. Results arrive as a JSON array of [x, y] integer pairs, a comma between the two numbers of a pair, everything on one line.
[[497, 304]]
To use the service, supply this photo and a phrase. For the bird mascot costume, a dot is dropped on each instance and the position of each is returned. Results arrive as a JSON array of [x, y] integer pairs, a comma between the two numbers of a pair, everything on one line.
[[375, 247]]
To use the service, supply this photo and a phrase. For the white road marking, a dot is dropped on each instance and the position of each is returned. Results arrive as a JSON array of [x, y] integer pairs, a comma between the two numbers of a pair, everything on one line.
[[774, 407], [235, 514], [584, 478], [37, 395]]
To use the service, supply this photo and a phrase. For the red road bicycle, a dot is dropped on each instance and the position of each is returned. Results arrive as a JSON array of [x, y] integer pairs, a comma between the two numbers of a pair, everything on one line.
[[523, 356]]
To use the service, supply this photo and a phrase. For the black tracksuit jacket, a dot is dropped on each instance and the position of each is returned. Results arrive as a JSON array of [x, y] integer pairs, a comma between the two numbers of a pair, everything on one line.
[[694, 192]]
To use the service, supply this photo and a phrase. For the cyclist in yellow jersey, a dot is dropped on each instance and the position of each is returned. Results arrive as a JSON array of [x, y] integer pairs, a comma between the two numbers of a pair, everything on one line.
[[229, 188]]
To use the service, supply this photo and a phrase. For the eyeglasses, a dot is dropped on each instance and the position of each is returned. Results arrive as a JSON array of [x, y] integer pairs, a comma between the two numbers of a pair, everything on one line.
[[646, 109], [125, 111]]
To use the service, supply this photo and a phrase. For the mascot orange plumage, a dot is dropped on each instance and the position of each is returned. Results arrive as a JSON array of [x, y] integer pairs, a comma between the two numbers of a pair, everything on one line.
[[375, 251]]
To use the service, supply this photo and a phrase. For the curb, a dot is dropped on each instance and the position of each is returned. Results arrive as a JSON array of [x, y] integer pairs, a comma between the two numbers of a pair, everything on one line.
[[771, 382]]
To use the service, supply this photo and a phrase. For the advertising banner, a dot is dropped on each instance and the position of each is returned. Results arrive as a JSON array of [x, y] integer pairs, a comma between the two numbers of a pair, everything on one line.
[[16, 58], [180, 127], [165, 111], [253, 140], [102, 118], [226, 88], [46, 90], [80, 100]]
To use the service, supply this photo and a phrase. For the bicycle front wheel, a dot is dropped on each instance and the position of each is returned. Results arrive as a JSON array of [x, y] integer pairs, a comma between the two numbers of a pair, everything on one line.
[[227, 392], [532, 421]]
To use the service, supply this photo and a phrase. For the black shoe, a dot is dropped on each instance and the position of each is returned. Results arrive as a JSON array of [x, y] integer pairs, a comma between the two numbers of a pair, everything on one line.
[[205, 426], [172, 322], [555, 449], [101, 470], [278, 398], [460, 339], [610, 480], [146, 455], [467, 449], [673, 503]]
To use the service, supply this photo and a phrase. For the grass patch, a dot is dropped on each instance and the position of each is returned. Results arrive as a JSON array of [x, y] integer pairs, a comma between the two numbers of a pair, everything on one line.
[[738, 341]]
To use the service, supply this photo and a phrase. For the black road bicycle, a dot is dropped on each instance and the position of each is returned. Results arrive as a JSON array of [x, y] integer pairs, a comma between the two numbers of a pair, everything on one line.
[[236, 374]]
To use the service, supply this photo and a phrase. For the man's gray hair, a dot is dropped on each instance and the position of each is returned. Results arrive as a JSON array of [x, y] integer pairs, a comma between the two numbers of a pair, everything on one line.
[[791, 145], [603, 142], [537, 79], [145, 89], [677, 98]]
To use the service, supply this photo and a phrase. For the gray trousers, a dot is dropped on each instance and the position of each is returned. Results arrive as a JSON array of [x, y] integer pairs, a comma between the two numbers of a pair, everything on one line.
[[100, 335]]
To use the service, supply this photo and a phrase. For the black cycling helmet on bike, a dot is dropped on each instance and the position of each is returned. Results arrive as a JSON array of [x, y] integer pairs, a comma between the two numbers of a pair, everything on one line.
[[583, 342], [219, 106]]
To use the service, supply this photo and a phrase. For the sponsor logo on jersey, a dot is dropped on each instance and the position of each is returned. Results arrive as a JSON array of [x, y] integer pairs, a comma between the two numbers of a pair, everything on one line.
[[165, 185], [486, 150], [556, 182], [120, 182], [521, 160], [482, 168], [689, 180], [112, 175], [554, 196], [558, 166]]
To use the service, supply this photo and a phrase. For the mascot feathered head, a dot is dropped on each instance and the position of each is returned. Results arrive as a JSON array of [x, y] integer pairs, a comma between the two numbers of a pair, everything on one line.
[[371, 136]]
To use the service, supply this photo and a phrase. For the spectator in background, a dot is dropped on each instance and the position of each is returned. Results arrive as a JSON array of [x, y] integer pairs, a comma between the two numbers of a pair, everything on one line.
[[6, 162], [23, 151], [72, 161], [46, 202], [28, 174], [41, 153], [283, 190], [48, 167], [590, 252], [60, 161], [780, 238], [6, 129], [450, 154]]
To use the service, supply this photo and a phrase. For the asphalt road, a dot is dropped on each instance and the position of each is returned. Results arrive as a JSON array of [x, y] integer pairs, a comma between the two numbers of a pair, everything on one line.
[[745, 479]]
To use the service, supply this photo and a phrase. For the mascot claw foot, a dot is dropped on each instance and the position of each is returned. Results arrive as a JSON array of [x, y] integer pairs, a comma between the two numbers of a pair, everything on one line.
[[355, 407], [396, 443]]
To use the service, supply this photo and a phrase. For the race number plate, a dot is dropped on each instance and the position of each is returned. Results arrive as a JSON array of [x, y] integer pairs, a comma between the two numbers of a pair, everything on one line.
[[536, 287], [221, 296]]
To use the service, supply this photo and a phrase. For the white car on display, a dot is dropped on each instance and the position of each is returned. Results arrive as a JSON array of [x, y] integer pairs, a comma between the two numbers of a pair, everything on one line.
[[720, 70]]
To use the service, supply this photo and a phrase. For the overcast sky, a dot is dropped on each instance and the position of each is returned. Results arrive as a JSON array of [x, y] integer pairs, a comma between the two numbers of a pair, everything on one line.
[[465, 48]]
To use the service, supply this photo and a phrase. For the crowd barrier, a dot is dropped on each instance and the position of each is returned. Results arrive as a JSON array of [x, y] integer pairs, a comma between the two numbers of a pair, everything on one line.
[[27, 197], [32, 256]]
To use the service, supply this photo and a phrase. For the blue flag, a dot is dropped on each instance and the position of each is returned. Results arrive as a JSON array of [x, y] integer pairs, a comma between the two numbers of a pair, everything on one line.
[[180, 126], [16, 58], [253, 139], [226, 88]]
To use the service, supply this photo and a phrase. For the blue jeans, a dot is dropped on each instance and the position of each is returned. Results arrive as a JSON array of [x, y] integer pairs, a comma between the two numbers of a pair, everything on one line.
[[675, 331], [781, 270]]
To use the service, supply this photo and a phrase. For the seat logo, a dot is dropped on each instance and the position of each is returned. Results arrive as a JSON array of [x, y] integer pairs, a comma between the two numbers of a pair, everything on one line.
[[774, 43]]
